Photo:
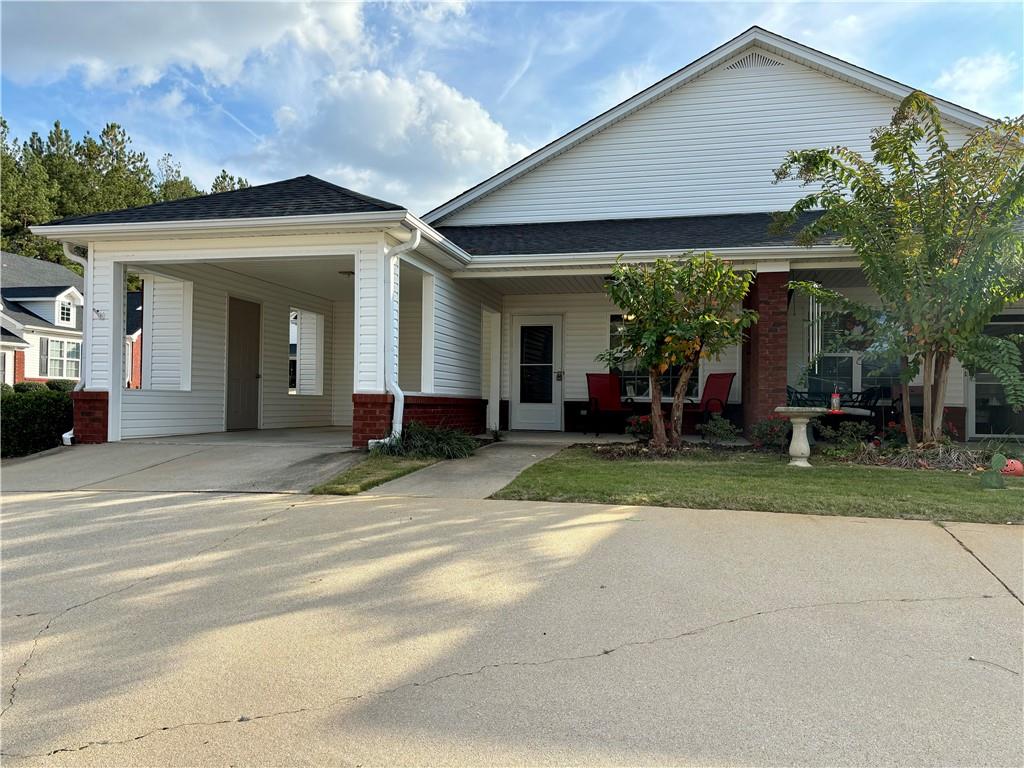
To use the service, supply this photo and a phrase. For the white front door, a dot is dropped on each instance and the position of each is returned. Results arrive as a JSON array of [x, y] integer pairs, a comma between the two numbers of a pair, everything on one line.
[[536, 372]]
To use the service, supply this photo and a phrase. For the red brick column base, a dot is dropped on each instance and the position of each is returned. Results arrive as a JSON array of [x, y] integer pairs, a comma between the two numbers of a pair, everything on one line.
[[19, 366], [764, 353], [371, 414], [90, 416]]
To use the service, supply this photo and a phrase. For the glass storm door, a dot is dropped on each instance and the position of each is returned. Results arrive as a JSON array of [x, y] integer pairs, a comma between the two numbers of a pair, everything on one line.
[[536, 373]]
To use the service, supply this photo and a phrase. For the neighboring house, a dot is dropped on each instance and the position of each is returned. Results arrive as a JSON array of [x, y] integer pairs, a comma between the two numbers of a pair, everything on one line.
[[41, 320], [489, 310]]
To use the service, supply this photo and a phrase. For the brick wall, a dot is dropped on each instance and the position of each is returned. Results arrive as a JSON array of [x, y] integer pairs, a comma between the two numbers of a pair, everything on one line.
[[764, 353], [371, 414], [90, 416], [19, 365]]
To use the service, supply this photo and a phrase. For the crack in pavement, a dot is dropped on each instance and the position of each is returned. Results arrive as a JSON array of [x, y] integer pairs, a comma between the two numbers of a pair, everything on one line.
[[12, 693], [993, 664], [509, 664], [984, 565]]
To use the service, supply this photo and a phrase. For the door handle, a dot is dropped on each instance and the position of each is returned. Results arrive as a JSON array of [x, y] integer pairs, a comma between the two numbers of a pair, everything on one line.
[[559, 375]]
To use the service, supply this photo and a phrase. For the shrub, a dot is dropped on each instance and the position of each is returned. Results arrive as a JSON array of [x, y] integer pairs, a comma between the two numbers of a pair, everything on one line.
[[6, 389], [772, 432], [61, 385], [29, 386], [422, 441], [718, 430], [33, 420], [640, 427]]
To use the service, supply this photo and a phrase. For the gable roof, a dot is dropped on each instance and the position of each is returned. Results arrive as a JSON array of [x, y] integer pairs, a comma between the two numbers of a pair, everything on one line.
[[755, 36], [301, 196], [683, 233], [45, 278]]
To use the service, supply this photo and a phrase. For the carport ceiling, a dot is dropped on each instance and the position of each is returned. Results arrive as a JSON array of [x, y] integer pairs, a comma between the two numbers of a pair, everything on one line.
[[327, 277]]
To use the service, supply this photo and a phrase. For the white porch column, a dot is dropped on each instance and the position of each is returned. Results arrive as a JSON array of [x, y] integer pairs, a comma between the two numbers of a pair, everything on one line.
[[372, 283]]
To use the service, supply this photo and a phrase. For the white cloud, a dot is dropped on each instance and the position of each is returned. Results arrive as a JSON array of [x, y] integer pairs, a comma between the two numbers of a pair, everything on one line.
[[134, 44], [414, 139], [623, 84], [987, 83]]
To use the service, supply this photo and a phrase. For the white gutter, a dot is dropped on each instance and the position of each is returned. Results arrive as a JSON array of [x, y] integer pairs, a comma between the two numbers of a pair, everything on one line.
[[70, 254], [390, 331]]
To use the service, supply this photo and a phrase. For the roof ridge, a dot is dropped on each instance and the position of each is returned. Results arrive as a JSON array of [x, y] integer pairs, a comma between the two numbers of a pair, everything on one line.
[[366, 198]]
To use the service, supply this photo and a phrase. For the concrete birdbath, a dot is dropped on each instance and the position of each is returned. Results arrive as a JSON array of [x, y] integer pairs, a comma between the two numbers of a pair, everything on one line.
[[799, 448]]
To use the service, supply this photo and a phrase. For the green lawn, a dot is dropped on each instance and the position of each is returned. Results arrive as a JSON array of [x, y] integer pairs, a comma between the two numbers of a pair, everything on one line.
[[372, 471], [748, 480]]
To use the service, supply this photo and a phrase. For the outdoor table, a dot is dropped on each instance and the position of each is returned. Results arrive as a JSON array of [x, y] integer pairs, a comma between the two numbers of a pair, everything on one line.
[[799, 416]]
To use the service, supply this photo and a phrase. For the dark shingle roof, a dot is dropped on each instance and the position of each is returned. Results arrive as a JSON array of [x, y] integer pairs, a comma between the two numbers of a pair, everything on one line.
[[20, 272], [10, 337], [301, 196], [733, 230]]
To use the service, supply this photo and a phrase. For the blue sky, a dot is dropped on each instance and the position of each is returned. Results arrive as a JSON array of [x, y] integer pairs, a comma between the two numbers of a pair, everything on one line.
[[415, 102]]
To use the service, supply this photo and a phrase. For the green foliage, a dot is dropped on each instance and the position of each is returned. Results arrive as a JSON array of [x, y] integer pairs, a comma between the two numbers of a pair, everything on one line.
[[33, 420], [772, 432], [61, 385], [718, 430], [936, 231], [29, 386], [6, 389], [225, 182], [991, 480], [639, 427], [847, 433], [420, 441], [57, 177], [678, 311], [998, 462]]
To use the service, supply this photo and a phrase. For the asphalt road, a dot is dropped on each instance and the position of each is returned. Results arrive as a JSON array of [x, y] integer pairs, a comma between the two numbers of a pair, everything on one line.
[[168, 628]]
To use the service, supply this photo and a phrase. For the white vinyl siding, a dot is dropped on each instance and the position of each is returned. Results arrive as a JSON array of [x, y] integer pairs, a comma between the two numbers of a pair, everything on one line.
[[369, 344], [586, 333], [309, 352], [344, 336], [166, 327], [708, 147], [146, 413], [458, 329], [410, 330]]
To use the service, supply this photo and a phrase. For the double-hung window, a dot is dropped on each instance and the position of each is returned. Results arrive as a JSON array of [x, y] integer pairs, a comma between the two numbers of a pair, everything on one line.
[[634, 380], [60, 358]]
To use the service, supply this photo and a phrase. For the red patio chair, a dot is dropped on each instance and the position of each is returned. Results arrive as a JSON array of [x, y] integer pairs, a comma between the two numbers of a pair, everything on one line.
[[715, 394], [605, 393]]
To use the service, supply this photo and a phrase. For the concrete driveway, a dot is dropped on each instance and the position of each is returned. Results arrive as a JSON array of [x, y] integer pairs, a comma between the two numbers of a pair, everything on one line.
[[207, 629], [269, 460]]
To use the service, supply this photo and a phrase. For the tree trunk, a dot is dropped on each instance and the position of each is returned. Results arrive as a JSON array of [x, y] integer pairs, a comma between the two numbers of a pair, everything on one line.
[[658, 437], [908, 417], [941, 379], [678, 404], [927, 429]]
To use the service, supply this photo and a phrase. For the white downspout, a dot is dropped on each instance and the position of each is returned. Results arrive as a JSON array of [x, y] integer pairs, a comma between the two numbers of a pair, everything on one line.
[[70, 255], [390, 373]]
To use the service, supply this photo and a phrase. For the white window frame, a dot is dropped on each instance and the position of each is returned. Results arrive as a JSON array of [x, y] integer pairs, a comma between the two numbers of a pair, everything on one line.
[[62, 359], [304, 387], [69, 305], [697, 377]]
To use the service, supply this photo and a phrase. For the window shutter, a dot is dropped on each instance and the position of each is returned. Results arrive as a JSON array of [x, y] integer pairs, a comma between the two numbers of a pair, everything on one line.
[[44, 356]]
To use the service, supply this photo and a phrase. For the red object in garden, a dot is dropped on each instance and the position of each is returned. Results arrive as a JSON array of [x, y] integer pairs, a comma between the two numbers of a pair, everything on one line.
[[605, 394], [1013, 468], [837, 402], [715, 394]]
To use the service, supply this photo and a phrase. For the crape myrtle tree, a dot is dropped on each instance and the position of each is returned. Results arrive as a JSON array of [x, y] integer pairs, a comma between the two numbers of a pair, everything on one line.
[[677, 312], [938, 232]]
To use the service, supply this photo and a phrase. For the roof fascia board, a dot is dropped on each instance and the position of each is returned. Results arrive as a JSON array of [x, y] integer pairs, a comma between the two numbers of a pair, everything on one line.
[[792, 253], [199, 227], [755, 35]]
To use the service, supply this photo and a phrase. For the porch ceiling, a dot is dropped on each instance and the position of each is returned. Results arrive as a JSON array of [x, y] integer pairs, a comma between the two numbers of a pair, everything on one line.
[[831, 278], [326, 277]]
